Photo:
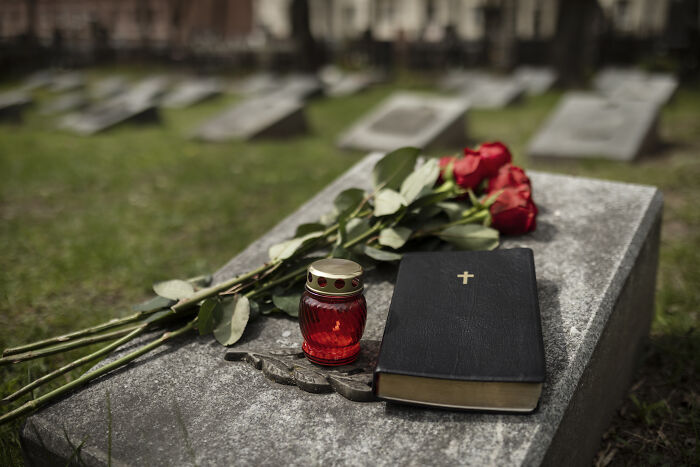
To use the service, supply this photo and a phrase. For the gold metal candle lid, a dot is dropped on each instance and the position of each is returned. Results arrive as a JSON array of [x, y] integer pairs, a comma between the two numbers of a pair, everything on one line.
[[334, 276]]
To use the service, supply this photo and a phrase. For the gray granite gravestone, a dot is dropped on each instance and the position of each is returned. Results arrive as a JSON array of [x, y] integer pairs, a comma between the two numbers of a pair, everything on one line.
[[12, 104], [587, 125], [535, 80], [298, 86], [191, 92], [39, 79], [138, 104], [184, 404], [269, 116], [67, 81], [109, 87], [636, 85], [484, 90], [65, 103], [257, 83], [406, 119], [337, 83]]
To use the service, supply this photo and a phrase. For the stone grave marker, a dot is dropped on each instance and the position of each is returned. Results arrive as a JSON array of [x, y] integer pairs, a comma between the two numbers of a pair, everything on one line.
[[337, 83], [636, 85], [192, 91], [109, 87], [535, 80], [588, 125], [454, 80], [299, 86], [67, 81], [269, 116], [65, 103], [138, 104], [406, 119], [39, 79], [185, 404], [12, 104], [257, 83]]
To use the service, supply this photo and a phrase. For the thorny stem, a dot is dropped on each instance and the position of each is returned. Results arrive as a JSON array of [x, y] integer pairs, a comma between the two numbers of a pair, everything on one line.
[[87, 377]]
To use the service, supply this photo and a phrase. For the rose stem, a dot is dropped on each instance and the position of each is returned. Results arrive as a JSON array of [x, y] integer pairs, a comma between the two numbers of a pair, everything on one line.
[[87, 377], [65, 347], [81, 361]]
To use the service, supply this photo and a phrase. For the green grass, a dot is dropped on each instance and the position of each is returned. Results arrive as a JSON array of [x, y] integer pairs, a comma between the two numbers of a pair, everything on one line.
[[87, 224]]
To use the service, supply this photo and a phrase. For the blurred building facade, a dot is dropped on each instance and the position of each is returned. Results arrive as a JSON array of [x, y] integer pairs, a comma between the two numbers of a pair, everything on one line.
[[419, 33]]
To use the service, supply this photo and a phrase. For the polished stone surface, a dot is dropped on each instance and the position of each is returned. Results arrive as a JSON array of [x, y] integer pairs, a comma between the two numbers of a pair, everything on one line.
[[185, 404]]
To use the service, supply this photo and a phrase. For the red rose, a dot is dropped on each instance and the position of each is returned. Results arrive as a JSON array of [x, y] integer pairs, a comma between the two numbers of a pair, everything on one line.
[[514, 212], [509, 176], [444, 162], [494, 156], [469, 171]]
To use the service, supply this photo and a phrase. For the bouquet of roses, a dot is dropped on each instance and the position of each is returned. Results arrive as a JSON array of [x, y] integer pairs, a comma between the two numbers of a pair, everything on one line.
[[461, 200]]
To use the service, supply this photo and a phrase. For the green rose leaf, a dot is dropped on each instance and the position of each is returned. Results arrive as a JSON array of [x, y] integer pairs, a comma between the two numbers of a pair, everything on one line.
[[356, 227], [395, 237], [209, 314], [388, 202], [470, 237], [394, 167], [200, 281], [234, 317], [305, 229], [155, 303], [158, 315], [381, 255], [174, 289], [421, 181], [453, 210], [286, 249], [347, 201], [289, 303]]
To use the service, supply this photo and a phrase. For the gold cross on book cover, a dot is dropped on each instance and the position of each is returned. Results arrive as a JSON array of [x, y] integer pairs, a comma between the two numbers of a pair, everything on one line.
[[465, 277]]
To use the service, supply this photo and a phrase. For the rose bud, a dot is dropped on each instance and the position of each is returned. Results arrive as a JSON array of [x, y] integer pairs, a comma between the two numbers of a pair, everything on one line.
[[509, 176], [514, 212], [494, 156], [469, 171]]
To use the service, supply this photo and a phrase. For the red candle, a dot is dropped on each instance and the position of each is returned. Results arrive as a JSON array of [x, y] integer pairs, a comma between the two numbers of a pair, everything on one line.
[[332, 312]]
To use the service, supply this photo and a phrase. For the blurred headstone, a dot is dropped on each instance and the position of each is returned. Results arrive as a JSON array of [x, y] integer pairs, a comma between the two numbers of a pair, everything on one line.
[[148, 91], [138, 104], [349, 84], [192, 91], [39, 79], [12, 103], [535, 80], [299, 86], [588, 125], [108, 114], [257, 83], [270, 116], [636, 85], [111, 86], [484, 90], [67, 81], [406, 119], [65, 103]]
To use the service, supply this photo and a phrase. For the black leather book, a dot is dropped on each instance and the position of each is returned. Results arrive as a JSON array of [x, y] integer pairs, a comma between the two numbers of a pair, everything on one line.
[[464, 331]]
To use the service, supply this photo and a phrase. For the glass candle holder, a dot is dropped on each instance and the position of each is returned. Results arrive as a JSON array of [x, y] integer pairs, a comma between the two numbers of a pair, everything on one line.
[[332, 312]]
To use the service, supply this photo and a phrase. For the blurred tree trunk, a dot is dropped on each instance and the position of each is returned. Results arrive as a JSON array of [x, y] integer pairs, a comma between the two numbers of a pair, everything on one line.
[[576, 41], [500, 33], [30, 32], [306, 47]]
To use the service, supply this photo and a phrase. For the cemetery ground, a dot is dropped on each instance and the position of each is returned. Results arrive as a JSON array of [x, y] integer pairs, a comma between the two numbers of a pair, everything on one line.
[[88, 223]]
